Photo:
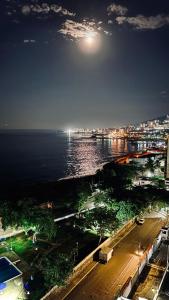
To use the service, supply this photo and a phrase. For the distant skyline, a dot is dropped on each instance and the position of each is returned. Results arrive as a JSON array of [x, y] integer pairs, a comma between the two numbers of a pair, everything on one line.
[[83, 63]]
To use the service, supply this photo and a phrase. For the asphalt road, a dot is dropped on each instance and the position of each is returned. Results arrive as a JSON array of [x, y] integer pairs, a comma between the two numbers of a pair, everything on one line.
[[105, 280]]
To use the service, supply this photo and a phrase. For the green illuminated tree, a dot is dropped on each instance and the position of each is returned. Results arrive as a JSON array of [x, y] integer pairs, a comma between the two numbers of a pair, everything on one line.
[[126, 211], [82, 201], [24, 215], [100, 220]]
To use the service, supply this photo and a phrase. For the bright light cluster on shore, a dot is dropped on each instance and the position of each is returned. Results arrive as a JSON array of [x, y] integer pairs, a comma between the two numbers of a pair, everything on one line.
[[69, 131]]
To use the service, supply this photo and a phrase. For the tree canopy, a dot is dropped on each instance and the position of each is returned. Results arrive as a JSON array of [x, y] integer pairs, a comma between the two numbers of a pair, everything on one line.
[[28, 216], [55, 272]]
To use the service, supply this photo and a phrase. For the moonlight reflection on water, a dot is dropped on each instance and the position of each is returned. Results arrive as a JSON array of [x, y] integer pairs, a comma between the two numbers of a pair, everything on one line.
[[84, 156], [31, 156]]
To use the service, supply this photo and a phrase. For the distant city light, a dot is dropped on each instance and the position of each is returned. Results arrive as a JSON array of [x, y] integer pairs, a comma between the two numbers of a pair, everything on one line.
[[69, 131]]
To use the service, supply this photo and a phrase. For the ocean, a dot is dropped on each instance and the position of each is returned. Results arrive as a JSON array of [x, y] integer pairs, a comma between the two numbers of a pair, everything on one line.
[[36, 155]]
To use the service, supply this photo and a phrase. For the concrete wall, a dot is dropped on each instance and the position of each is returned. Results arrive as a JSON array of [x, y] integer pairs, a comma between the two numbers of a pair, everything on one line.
[[127, 287], [150, 252], [142, 265]]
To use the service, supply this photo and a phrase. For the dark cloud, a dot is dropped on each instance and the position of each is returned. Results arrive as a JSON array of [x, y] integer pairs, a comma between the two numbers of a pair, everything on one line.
[[141, 22], [117, 9], [29, 41], [46, 8]]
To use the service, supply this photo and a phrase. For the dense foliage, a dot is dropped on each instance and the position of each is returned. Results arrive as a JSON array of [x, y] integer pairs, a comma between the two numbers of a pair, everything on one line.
[[25, 214], [55, 272], [117, 200], [103, 203]]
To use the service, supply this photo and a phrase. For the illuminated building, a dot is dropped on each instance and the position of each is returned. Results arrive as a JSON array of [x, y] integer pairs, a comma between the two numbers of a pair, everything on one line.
[[167, 165]]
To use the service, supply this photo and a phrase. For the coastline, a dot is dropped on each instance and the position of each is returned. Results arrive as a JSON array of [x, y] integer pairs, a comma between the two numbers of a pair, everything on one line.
[[117, 159], [100, 168], [60, 191], [63, 190], [62, 161]]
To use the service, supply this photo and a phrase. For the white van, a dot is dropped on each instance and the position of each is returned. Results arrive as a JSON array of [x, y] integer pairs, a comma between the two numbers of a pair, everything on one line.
[[105, 254]]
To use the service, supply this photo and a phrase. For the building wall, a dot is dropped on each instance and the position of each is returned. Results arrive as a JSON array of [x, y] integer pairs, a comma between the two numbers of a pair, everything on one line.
[[167, 160]]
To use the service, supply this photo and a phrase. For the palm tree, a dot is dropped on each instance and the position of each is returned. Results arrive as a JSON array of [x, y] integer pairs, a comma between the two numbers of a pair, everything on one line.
[[149, 166]]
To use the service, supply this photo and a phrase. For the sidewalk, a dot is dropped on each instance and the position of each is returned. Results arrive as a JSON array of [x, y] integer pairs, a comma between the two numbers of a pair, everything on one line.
[[9, 232]]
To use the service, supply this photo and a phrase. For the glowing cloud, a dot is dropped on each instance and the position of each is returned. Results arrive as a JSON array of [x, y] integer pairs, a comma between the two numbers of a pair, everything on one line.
[[85, 29]]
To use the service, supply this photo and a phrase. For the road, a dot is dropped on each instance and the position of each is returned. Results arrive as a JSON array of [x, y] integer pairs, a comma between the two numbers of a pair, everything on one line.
[[91, 207], [104, 281]]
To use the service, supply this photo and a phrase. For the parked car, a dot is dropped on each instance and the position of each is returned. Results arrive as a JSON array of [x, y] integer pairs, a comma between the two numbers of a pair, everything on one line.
[[140, 221]]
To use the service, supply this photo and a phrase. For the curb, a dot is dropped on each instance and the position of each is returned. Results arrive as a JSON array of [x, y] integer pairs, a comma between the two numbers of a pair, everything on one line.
[[80, 281]]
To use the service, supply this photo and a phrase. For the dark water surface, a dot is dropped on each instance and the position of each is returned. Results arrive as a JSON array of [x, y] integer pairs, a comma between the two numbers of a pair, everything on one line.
[[29, 156]]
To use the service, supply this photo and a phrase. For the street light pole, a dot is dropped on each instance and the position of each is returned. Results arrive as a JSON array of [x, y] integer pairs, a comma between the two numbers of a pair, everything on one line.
[[77, 248]]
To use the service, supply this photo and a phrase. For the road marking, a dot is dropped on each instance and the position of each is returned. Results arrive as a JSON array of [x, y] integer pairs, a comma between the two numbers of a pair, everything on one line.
[[122, 275]]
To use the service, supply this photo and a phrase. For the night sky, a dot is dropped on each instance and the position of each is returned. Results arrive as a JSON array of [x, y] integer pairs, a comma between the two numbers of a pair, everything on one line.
[[83, 63]]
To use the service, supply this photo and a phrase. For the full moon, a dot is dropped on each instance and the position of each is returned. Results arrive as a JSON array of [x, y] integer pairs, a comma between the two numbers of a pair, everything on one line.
[[89, 40], [90, 43]]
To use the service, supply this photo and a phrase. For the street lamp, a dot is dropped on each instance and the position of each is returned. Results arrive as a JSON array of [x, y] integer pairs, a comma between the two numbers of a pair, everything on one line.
[[77, 248], [139, 251], [76, 251]]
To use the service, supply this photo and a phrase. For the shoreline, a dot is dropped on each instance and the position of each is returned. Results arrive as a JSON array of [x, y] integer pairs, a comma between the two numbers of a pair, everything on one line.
[[61, 190], [117, 159], [101, 167]]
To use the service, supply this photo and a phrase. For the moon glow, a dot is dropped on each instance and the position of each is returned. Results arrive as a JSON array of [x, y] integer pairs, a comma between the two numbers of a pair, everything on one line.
[[90, 43]]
